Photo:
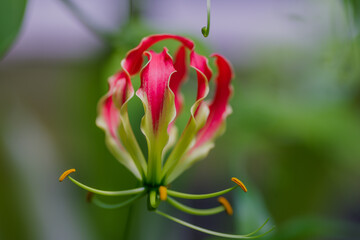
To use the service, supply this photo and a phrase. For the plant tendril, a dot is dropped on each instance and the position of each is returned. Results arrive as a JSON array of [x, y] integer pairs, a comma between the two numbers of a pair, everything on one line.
[[206, 29]]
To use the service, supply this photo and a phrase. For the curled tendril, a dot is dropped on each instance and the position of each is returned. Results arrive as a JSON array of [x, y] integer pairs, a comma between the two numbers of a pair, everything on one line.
[[206, 29]]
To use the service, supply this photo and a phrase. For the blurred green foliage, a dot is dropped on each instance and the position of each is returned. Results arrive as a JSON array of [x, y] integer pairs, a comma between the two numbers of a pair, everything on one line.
[[293, 138], [295, 132], [11, 16], [353, 8]]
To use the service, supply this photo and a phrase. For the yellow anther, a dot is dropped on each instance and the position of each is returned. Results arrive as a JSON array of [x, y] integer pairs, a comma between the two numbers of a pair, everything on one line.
[[240, 183], [163, 193], [65, 174], [226, 205]]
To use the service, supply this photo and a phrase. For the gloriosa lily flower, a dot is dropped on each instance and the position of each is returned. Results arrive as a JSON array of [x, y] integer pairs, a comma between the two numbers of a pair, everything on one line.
[[161, 79]]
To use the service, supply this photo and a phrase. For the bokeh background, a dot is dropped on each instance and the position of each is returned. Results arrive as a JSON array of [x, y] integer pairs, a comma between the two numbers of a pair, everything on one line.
[[293, 137]]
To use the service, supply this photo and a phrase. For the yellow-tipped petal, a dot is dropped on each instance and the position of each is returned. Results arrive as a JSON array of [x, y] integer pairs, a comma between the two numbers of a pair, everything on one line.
[[65, 174], [240, 183], [163, 193], [226, 205]]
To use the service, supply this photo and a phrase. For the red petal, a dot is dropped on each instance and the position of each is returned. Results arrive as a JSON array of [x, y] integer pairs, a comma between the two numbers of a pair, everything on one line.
[[134, 59], [200, 63], [111, 116], [178, 77], [120, 88], [219, 106], [204, 74], [154, 81]]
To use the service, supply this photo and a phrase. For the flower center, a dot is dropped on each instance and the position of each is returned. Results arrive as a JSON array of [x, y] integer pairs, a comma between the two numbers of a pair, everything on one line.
[[155, 194]]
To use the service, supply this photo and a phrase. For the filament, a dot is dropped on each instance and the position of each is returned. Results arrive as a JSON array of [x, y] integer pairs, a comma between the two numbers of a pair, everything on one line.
[[195, 211], [198, 196], [102, 204], [108, 193]]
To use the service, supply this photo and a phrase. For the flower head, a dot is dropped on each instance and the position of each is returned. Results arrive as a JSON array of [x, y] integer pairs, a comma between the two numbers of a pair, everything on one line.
[[161, 79]]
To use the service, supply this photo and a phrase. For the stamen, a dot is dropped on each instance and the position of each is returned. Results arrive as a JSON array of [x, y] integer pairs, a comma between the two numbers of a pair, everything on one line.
[[240, 183], [163, 193], [198, 196], [102, 204], [89, 196], [65, 174], [108, 193], [226, 205], [195, 211]]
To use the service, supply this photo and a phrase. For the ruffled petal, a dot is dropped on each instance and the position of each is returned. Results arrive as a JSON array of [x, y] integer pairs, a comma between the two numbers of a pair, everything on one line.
[[159, 107], [219, 108], [122, 92], [154, 82], [109, 120], [179, 77], [199, 112], [214, 123], [113, 119], [110, 116], [120, 88], [107, 109], [134, 59]]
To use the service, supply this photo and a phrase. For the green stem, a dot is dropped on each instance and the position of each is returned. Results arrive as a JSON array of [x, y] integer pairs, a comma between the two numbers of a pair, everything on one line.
[[154, 160], [109, 193], [207, 231], [128, 224], [195, 211], [206, 30], [153, 200], [134, 10], [257, 230], [198, 196], [102, 204]]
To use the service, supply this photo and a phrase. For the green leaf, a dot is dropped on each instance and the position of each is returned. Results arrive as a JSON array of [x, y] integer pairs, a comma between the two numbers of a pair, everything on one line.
[[353, 7], [11, 16]]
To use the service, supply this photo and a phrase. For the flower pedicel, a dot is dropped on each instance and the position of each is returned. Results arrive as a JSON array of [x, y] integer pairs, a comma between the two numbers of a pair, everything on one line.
[[161, 79]]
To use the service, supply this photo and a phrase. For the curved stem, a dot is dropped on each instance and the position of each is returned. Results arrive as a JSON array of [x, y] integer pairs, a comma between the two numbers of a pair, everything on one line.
[[195, 211], [198, 196], [102, 204], [109, 193], [86, 21], [206, 30], [153, 200], [207, 231], [257, 230]]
